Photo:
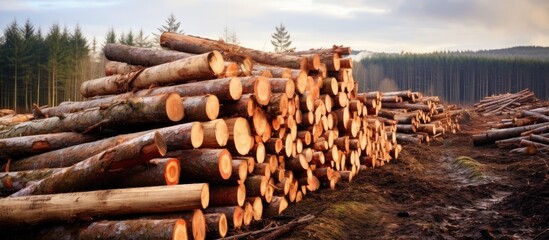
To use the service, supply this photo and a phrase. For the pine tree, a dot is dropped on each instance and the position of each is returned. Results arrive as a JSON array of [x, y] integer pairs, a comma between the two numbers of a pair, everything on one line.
[[281, 39], [172, 25], [141, 40], [128, 39]]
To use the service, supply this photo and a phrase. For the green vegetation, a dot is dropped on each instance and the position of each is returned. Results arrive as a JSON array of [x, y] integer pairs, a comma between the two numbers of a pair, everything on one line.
[[470, 166], [463, 77], [281, 39]]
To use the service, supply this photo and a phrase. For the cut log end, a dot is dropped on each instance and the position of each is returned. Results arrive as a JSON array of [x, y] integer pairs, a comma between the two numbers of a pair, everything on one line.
[[160, 144], [221, 133], [223, 225], [248, 214], [217, 64], [262, 90], [197, 135], [205, 196], [212, 107], [225, 164], [174, 107], [235, 88], [198, 224], [257, 205], [180, 230], [241, 194], [243, 170], [238, 217], [242, 136], [172, 171]]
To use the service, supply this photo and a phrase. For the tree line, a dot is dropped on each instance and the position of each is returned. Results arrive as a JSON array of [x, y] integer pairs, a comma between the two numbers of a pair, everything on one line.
[[456, 78], [47, 68]]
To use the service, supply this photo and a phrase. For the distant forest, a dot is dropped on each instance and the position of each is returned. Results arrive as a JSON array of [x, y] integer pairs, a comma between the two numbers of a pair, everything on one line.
[[458, 77]]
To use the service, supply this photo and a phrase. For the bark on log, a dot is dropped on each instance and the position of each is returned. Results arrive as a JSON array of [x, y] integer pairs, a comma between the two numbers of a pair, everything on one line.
[[201, 108], [93, 169], [199, 67], [244, 107], [162, 108], [275, 207], [259, 86], [11, 182], [157, 172], [227, 195], [175, 228], [216, 225], [198, 45], [211, 165], [69, 206], [17, 147], [216, 134], [234, 214], [114, 67], [491, 136], [256, 185], [141, 56]]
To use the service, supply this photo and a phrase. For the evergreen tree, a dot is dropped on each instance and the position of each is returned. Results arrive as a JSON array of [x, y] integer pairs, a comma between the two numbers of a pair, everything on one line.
[[172, 25], [128, 39], [13, 50], [141, 40], [281, 39]]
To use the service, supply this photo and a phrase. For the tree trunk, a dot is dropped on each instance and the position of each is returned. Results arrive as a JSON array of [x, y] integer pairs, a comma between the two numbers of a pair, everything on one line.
[[114, 68], [11, 182], [198, 45], [210, 165], [244, 107], [17, 147], [491, 136], [259, 86], [275, 207], [162, 108], [216, 134], [201, 108], [123, 229], [216, 225], [146, 57], [234, 214], [256, 185], [93, 169], [199, 67], [227, 195], [157, 172], [77, 205]]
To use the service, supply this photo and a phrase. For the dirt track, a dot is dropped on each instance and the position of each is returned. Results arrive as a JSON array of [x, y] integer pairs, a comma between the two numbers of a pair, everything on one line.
[[428, 194]]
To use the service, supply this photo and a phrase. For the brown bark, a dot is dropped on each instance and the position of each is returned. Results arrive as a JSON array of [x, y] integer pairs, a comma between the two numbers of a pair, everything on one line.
[[157, 172], [275, 207], [260, 87], [227, 195], [77, 205], [239, 171], [141, 56], [278, 105], [244, 107], [197, 45], [257, 206], [491, 136], [273, 145], [256, 185], [201, 108], [216, 134], [15, 118], [263, 169], [283, 85], [204, 165], [297, 163], [334, 49], [175, 228], [114, 67], [234, 214], [199, 67], [162, 108], [17, 147], [82, 174], [216, 225], [11, 182]]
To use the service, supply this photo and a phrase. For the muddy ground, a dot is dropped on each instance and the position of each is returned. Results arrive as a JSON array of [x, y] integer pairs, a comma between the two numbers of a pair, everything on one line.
[[433, 192]]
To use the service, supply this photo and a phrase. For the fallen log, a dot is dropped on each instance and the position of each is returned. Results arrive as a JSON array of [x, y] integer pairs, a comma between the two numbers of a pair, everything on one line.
[[23, 211], [123, 229], [211, 165], [234, 214], [93, 169], [17, 147], [114, 67], [201, 108], [216, 225], [227, 195], [191, 44], [146, 57], [491, 136], [161, 108], [199, 67], [156, 172], [11, 182]]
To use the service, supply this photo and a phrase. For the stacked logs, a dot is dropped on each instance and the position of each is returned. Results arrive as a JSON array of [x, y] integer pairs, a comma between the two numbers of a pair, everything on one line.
[[418, 118], [525, 133], [508, 103], [191, 141]]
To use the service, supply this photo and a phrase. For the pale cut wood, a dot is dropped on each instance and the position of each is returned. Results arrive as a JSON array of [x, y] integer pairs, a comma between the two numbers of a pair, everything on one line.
[[199, 67], [260, 87], [240, 136], [200, 45], [257, 206], [23, 211]]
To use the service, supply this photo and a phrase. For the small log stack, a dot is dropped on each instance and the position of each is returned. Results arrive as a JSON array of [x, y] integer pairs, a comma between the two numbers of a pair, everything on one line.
[[235, 133], [525, 131]]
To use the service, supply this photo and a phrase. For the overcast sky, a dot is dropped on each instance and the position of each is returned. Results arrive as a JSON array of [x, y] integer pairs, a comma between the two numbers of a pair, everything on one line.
[[374, 25]]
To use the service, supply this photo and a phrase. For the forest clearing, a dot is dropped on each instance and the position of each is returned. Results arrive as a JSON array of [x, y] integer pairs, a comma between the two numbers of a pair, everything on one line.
[[207, 139]]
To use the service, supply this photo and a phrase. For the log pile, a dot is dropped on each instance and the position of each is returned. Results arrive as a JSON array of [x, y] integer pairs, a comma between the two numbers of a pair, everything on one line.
[[196, 140], [419, 119], [508, 103], [527, 132]]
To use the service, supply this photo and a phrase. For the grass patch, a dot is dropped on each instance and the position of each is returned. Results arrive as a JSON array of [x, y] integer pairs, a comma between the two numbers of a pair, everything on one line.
[[336, 221], [469, 166]]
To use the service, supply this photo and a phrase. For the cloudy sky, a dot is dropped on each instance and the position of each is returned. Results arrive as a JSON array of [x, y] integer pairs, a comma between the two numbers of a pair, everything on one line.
[[388, 25]]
